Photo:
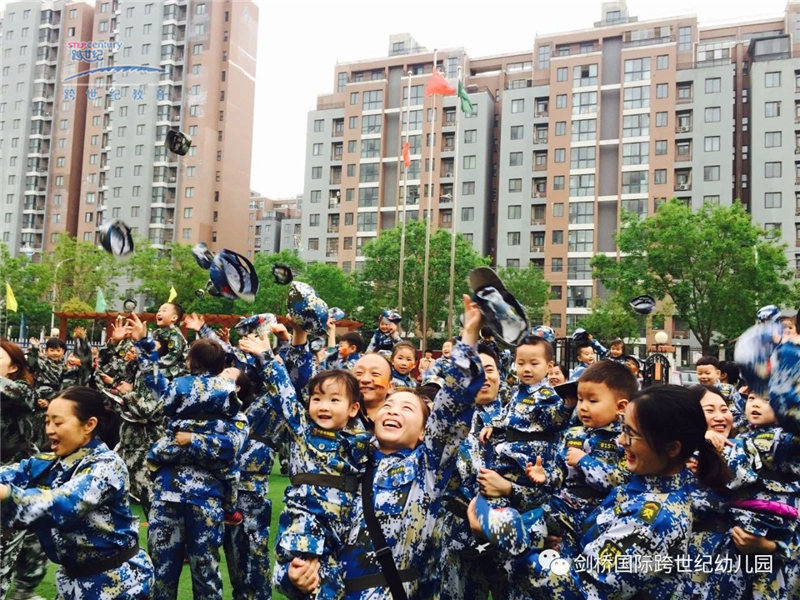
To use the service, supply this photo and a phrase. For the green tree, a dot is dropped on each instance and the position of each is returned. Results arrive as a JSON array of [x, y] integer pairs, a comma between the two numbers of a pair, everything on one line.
[[611, 319], [76, 305], [378, 280], [271, 297], [715, 265], [530, 288], [333, 285], [30, 283]]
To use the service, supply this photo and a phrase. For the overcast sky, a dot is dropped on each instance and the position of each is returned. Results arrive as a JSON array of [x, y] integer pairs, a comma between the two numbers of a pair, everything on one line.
[[300, 42]]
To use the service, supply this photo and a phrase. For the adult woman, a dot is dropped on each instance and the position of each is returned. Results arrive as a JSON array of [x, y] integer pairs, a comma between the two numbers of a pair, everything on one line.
[[412, 461], [16, 435], [643, 526], [76, 500]]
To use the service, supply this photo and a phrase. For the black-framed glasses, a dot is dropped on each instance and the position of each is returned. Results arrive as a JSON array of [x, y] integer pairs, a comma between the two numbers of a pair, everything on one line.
[[625, 435]]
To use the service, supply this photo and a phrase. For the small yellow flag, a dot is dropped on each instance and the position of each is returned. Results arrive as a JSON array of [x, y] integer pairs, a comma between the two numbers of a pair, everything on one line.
[[11, 302], [172, 294]]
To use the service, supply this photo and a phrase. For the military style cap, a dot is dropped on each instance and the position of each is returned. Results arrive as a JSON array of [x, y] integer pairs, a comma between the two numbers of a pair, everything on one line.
[[307, 310], [580, 334], [337, 314], [116, 239], [510, 530], [317, 345], [567, 390], [543, 331], [282, 274], [392, 316], [768, 313], [234, 276], [203, 255], [635, 359], [644, 304], [258, 324], [753, 352], [129, 305], [178, 142], [502, 313]]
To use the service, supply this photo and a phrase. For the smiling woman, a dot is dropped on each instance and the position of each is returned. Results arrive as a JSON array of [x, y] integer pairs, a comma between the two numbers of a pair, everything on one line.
[[76, 500]]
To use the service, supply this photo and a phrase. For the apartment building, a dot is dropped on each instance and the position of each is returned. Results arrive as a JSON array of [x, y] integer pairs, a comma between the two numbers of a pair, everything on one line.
[[581, 126], [94, 148], [273, 224]]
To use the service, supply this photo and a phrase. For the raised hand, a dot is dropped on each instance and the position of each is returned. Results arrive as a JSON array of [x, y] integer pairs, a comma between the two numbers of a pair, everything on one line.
[[279, 331], [472, 322], [34, 342], [79, 332], [253, 345], [194, 322], [119, 330], [536, 473], [225, 334], [138, 329]]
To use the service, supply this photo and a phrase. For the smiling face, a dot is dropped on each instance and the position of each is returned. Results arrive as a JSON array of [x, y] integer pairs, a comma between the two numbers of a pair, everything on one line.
[[54, 353], [532, 363], [400, 422], [597, 404], [65, 432], [166, 315], [633, 366], [586, 355], [758, 411], [641, 458], [491, 384], [385, 326], [329, 406], [719, 418], [346, 349], [707, 375], [403, 361], [73, 361], [556, 376], [374, 376], [447, 348], [616, 350]]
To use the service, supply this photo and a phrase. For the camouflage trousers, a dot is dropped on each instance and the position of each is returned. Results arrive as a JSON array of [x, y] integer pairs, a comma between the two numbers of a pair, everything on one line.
[[10, 547], [31, 566], [135, 441], [247, 548], [178, 529]]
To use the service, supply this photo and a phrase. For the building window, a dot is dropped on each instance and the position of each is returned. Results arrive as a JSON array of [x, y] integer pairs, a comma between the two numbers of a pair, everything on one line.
[[581, 185], [773, 230], [544, 57], [367, 222], [467, 188], [772, 139], [584, 103], [512, 238], [662, 62], [772, 200], [684, 39], [581, 240], [636, 97], [197, 49], [711, 173], [637, 69], [319, 125], [559, 156], [373, 99], [772, 109], [634, 182], [518, 106], [562, 73], [713, 85], [711, 143], [514, 212], [582, 158], [316, 172], [517, 132], [515, 159], [635, 125], [772, 79], [772, 169], [515, 185], [662, 90], [584, 130]]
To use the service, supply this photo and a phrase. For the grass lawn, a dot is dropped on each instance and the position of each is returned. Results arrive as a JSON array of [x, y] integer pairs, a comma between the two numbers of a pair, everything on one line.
[[277, 485]]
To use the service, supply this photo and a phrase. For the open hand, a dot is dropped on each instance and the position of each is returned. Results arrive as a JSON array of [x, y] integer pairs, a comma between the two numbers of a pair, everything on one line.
[[253, 345], [472, 322], [194, 322], [34, 342], [536, 473], [137, 328]]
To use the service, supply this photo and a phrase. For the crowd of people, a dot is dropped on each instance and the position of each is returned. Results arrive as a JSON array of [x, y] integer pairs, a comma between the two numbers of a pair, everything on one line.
[[490, 471]]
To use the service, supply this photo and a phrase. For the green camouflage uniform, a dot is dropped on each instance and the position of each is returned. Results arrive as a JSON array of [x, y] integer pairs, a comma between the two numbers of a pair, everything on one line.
[[111, 362], [173, 363]]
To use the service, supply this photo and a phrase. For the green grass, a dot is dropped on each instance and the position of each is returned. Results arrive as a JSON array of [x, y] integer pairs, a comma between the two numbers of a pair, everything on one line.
[[277, 484]]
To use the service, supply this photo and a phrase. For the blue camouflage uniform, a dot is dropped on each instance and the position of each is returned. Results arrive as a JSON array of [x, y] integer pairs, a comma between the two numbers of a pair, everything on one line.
[[632, 543], [78, 506], [736, 403], [234, 357], [187, 512], [466, 569], [528, 427], [334, 361], [407, 489], [579, 490], [199, 404], [402, 382], [438, 368], [601, 352], [316, 516], [383, 342]]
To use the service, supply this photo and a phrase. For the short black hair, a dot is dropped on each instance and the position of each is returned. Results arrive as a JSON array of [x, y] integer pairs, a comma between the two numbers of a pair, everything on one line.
[[580, 346], [708, 360], [731, 370], [488, 351], [535, 340], [615, 376], [486, 332], [55, 342], [346, 378], [178, 310], [206, 355], [399, 346], [354, 339]]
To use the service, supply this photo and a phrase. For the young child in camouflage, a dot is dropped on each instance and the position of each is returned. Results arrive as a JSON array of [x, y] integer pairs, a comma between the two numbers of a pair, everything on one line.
[[203, 405], [328, 452], [404, 357], [171, 344], [387, 334], [590, 463]]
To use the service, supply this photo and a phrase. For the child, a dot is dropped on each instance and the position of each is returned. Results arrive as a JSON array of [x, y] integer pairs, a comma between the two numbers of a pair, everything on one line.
[[590, 463], [616, 351], [346, 354], [404, 357], [47, 370], [634, 365], [708, 373], [200, 404], [534, 417], [171, 343], [328, 450], [585, 356], [387, 335]]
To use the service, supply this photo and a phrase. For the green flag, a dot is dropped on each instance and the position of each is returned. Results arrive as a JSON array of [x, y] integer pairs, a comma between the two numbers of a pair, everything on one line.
[[100, 305], [466, 105]]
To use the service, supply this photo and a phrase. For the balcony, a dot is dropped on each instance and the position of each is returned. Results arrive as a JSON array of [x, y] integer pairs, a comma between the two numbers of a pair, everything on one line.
[[683, 187], [33, 205], [446, 173], [683, 128], [651, 41], [541, 114], [684, 99], [540, 167], [540, 140], [683, 157]]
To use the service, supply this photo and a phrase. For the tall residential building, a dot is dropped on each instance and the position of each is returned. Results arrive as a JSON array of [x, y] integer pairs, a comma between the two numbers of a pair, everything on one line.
[[273, 225], [569, 133], [94, 150]]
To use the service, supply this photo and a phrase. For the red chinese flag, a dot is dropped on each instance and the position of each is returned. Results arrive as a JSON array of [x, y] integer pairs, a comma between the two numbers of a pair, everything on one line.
[[406, 156], [438, 85]]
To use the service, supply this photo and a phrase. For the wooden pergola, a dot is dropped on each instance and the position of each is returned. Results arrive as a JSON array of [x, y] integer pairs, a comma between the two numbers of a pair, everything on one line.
[[345, 325]]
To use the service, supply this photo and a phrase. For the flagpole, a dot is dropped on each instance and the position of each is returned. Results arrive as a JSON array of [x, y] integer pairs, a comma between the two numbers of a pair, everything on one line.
[[405, 200], [428, 222], [454, 219]]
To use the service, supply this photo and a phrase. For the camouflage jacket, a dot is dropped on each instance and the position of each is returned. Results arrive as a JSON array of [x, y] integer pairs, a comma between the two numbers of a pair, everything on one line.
[[48, 373], [171, 362], [17, 420]]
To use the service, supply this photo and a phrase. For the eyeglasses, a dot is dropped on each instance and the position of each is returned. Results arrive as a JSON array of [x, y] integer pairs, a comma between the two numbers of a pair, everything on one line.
[[625, 435]]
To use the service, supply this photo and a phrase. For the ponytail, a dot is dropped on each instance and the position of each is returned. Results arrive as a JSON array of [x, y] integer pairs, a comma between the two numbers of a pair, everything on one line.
[[90, 403], [712, 470]]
